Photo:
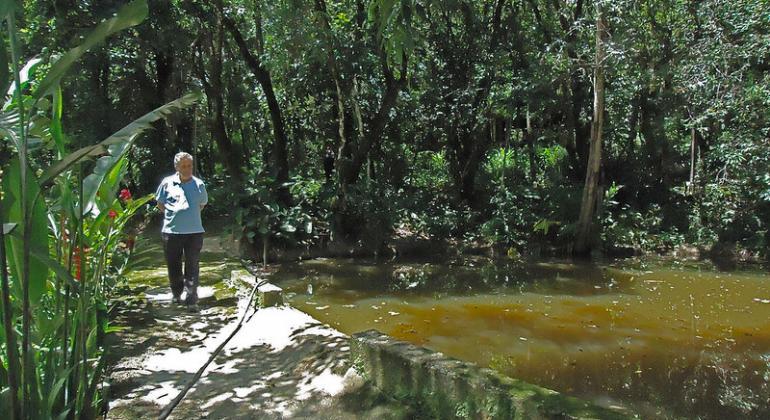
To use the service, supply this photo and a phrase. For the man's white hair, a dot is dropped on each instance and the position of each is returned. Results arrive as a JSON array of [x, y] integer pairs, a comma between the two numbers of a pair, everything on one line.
[[182, 156]]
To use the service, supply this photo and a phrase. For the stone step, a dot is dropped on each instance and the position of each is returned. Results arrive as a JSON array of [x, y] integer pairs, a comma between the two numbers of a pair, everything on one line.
[[268, 293]]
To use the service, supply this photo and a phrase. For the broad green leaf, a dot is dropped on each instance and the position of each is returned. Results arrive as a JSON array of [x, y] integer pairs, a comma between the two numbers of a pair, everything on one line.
[[70, 160], [53, 395], [114, 329], [47, 326], [8, 228], [26, 72], [129, 15], [105, 179], [65, 412], [42, 256], [92, 335], [57, 132], [24, 76], [38, 273], [122, 139], [9, 127]]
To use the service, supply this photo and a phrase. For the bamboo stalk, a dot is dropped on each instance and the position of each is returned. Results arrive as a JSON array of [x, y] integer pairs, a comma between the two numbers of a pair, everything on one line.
[[66, 326], [28, 380], [84, 303], [66, 332], [75, 373]]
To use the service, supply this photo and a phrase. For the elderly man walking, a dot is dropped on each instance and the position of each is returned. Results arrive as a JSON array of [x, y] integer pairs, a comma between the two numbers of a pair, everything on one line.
[[181, 197]]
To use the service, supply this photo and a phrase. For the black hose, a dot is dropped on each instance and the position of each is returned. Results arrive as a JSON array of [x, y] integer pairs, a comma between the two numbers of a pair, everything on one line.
[[172, 405]]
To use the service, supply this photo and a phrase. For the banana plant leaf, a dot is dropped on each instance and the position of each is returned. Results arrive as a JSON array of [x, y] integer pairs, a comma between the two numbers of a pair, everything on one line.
[[38, 270], [129, 15], [114, 146]]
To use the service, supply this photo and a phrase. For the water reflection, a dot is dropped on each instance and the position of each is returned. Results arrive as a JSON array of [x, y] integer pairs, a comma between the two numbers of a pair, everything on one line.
[[667, 341], [415, 279]]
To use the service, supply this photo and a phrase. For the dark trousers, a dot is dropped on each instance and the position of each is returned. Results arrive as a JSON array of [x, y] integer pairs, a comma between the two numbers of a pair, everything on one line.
[[187, 247]]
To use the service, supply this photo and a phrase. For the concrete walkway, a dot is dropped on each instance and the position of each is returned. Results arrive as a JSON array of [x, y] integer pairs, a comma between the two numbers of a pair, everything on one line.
[[282, 364]]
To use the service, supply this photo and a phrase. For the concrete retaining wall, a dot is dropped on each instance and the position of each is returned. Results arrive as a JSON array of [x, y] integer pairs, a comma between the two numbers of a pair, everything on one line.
[[446, 388]]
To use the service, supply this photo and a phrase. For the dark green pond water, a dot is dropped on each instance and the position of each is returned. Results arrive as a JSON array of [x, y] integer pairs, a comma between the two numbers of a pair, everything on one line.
[[662, 339]]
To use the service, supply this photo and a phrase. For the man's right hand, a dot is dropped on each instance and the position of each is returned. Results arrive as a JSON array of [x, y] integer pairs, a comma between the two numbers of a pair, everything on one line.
[[161, 207]]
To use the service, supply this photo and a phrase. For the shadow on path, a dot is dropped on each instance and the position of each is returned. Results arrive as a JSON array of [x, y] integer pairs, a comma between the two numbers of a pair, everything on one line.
[[281, 364]]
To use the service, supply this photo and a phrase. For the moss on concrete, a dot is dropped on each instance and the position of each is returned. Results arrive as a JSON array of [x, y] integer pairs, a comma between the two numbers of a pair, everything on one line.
[[442, 387]]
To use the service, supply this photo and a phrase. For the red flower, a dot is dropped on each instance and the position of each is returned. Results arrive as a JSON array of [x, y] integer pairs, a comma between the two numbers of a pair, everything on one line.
[[79, 256], [125, 194], [78, 264], [112, 214]]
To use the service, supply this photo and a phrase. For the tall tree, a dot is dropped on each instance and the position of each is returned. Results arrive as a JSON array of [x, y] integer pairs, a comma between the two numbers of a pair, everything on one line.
[[466, 38], [209, 69], [280, 164], [591, 191], [354, 148]]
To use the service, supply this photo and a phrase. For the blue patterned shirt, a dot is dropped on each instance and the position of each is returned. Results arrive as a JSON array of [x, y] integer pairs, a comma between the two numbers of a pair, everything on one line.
[[183, 202]]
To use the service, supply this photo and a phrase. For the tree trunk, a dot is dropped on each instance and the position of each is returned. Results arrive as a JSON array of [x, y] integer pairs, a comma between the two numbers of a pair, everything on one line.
[[693, 157], [530, 139], [633, 124], [98, 66], [582, 132], [354, 150], [467, 150], [280, 166], [469, 142], [376, 127], [212, 85], [591, 191], [576, 91], [331, 61]]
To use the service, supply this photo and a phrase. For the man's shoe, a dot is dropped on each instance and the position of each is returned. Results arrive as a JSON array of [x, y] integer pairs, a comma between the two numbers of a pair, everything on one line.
[[193, 307], [177, 300]]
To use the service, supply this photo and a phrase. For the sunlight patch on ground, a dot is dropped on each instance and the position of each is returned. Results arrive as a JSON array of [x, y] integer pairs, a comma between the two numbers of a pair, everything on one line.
[[241, 392], [281, 408], [163, 394], [280, 335], [326, 382], [276, 327], [203, 293], [273, 327], [226, 368], [219, 398], [156, 273], [174, 360], [270, 326]]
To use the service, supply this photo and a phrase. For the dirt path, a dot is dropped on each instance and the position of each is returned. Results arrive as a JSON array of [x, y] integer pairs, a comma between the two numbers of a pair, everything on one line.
[[281, 364]]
